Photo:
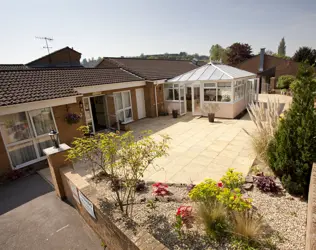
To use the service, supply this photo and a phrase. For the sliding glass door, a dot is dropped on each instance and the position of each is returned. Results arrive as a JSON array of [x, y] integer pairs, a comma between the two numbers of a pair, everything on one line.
[[25, 135]]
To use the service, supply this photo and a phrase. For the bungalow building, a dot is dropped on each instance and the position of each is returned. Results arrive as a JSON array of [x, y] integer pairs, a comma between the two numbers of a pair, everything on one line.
[[268, 68], [38, 96]]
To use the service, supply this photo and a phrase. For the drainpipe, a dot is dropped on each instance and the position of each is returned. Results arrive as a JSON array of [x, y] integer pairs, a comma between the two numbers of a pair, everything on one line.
[[155, 85]]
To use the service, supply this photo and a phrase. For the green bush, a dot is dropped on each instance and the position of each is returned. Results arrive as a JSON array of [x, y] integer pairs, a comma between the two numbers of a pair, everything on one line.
[[233, 200], [293, 150], [232, 179], [205, 191], [285, 81]]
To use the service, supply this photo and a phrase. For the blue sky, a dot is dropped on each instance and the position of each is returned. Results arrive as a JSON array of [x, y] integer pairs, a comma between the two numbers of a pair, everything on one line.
[[129, 28]]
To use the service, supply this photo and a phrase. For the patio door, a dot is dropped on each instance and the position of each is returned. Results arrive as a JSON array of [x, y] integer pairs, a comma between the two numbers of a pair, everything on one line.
[[182, 99], [113, 121], [196, 100]]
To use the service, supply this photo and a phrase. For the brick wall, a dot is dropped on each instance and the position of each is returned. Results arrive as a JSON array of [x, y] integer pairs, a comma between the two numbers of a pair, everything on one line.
[[150, 99], [311, 213], [4, 159], [66, 131], [115, 236]]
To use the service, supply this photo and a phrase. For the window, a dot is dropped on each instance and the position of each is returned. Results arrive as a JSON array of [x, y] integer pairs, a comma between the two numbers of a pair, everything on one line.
[[172, 92], [25, 135], [239, 90], [217, 92], [123, 105], [224, 92]]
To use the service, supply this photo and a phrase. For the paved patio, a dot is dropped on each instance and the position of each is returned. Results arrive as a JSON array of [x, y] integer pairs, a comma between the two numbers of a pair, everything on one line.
[[199, 149]]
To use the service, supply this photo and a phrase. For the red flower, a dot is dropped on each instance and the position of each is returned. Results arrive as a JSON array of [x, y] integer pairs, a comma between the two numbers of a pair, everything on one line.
[[184, 211], [220, 184]]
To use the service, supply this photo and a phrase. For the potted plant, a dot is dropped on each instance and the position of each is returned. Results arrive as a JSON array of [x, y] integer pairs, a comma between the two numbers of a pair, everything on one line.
[[210, 109], [72, 118], [174, 113]]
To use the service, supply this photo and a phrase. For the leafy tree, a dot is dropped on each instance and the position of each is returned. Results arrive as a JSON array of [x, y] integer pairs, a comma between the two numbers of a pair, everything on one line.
[[305, 54], [218, 53], [293, 150], [84, 62], [282, 48], [285, 81], [121, 158], [238, 52]]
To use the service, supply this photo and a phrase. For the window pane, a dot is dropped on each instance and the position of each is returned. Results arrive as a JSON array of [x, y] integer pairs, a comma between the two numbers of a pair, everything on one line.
[[210, 95], [169, 94], [15, 127], [22, 153], [120, 116], [224, 93], [209, 85], [43, 120], [128, 115], [43, 143], [176, 93], [127, 100], [118, 101]]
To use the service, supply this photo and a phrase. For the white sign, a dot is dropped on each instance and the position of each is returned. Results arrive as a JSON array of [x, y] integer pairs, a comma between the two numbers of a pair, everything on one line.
[[87, 204], [74, 191]]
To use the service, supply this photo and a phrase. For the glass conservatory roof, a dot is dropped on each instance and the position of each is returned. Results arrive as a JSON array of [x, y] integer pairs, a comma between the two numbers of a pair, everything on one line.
[[212, 72]]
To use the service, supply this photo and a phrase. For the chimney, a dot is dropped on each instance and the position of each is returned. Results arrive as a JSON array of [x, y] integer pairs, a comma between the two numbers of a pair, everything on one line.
[[262, 51]]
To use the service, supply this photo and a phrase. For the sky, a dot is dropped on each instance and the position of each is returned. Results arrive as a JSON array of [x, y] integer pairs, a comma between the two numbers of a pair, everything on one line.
[[131, 27]]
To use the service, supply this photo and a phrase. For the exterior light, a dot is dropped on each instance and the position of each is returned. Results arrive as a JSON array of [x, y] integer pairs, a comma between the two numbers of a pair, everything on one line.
[[54, 137]]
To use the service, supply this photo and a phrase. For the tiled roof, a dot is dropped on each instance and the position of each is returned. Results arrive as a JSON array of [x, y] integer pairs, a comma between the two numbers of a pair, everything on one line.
[[23, 86], [12, 66], [151, 69]]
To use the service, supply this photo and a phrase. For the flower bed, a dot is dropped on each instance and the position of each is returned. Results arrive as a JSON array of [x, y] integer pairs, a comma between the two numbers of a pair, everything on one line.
[[172, 215]]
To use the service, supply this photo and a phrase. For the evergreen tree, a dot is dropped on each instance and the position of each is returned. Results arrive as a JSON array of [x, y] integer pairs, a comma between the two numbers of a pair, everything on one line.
[[293, 151], [282, 48]]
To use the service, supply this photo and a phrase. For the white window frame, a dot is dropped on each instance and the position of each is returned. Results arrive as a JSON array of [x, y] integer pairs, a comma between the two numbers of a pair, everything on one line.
[[216, 87], [172, 86], [236, 86], [117, 111], [34, 139]]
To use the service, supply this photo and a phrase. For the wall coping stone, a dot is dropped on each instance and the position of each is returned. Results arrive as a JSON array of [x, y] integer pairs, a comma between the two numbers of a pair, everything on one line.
[[53, 150]]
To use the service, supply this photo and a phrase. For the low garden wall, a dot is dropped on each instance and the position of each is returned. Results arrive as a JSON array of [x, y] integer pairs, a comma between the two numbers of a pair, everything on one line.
[[83, 197], [311, 213]]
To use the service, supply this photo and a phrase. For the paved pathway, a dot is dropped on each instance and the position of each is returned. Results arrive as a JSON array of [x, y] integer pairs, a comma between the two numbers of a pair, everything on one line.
[[32, 217], [199, 149]]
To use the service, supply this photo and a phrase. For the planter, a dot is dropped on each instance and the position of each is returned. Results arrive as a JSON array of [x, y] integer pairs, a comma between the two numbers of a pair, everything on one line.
[[175, 113], [211, 117]]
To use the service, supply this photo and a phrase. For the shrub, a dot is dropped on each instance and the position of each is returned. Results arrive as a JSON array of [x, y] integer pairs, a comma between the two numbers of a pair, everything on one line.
[[232, 179], [285, 81], [213, 216], [247, 225], [205, 191], [266, 119], [160, 189], [266, 183], [293, 150], [233, 199]]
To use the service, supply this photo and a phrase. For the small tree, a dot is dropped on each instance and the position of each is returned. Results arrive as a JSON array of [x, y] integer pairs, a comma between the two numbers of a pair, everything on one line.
[[123, 158], [293, 151], [285, 81], [238, 52], [282, 48], [305, 54], [218, 53]]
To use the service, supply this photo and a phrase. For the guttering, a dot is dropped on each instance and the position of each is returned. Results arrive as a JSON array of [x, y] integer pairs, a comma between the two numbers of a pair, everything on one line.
[[16, 108]]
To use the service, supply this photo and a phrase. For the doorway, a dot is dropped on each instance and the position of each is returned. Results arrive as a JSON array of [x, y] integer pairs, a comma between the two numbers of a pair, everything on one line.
[[98, 109], [196, 100], [189, 99]]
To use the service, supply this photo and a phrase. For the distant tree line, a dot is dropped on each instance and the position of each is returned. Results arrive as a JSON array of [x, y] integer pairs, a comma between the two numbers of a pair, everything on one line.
[[90, 62], [176, 56], [239, 52]]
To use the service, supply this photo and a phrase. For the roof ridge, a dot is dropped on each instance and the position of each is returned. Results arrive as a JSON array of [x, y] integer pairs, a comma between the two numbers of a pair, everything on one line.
[[153, 59], [55, 69], [222, 70]]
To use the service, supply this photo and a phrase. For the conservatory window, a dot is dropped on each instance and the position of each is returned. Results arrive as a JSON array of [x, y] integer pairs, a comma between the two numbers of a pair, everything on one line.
[[239, 90], [123, 107], [224, 92], [210, 92], [171, 92]]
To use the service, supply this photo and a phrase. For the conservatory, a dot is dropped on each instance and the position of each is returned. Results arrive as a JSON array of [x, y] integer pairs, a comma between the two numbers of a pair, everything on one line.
[[231, 88]]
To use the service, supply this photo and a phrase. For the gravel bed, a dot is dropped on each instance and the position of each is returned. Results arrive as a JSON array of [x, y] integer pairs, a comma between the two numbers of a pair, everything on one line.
[[284, 215]]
